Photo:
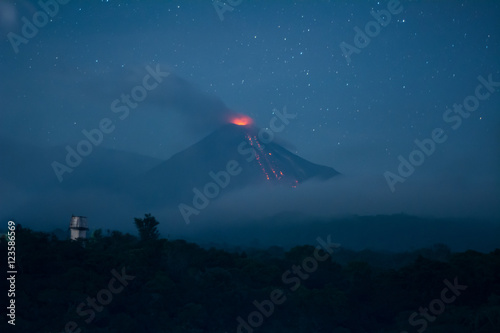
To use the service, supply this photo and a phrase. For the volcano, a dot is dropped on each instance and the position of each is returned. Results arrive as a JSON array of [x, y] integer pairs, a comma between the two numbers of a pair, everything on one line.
[[245, 149]]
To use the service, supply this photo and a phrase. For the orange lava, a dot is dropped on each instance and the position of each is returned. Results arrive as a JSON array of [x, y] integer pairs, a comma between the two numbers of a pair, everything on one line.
[[241, 120]]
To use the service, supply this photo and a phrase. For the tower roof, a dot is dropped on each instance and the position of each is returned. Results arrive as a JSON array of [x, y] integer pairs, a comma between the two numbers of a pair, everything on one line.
[[78, 222]]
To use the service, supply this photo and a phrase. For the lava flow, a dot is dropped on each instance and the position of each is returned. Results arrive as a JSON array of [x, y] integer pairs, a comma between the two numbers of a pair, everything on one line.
[[265, 159], [265, 162]]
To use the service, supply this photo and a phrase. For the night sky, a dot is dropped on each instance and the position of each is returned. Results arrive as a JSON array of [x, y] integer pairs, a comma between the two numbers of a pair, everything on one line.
[[359, 104]]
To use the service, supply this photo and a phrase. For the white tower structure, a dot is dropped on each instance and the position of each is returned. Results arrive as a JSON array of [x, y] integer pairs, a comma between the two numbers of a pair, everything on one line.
[[78, 227]]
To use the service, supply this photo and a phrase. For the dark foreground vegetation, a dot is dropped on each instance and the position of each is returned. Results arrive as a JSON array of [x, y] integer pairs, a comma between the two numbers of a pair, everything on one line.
[[120, 283]]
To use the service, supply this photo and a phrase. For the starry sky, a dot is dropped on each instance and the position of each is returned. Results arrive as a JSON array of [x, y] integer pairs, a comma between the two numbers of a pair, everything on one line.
[[355, 113]]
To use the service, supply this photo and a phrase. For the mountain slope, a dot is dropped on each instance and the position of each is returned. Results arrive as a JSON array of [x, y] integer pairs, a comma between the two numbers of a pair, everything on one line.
[[230, 148]]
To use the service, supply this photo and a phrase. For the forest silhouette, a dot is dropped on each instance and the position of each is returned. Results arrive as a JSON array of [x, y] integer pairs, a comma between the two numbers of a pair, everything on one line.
[[177, 286]]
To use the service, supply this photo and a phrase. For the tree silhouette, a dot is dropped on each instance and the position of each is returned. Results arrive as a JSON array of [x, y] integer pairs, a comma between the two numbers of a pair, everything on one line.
[[147, 227]]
